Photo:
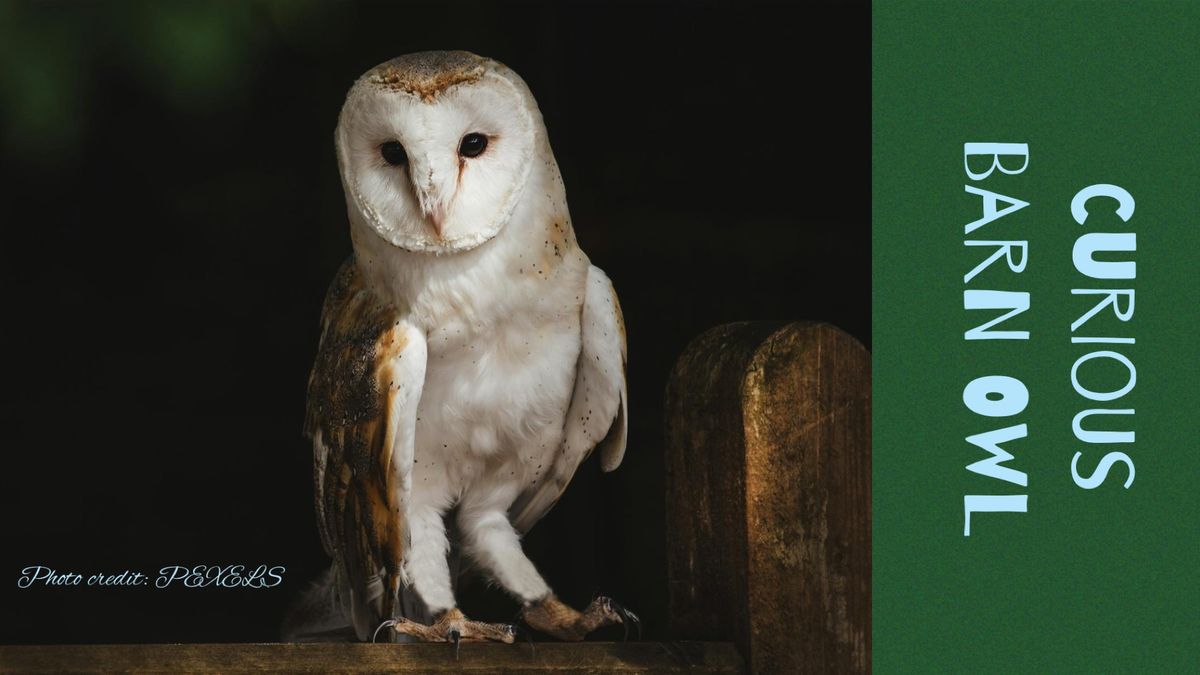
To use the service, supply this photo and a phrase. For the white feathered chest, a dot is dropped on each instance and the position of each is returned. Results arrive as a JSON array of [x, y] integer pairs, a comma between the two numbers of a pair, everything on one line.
[[503, 334]]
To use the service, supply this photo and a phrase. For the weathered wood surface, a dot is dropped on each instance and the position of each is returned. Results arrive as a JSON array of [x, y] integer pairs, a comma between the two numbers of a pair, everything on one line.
[[769, 495], [582, 657]]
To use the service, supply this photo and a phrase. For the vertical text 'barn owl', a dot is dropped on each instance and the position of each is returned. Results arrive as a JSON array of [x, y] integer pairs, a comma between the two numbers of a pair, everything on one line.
[[471, 355]]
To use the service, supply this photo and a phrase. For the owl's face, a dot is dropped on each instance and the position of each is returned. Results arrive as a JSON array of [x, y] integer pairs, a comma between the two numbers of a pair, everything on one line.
[[434, 150]]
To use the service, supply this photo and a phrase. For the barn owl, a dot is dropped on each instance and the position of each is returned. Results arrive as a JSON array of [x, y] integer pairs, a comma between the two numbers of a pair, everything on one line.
[[471, 356]]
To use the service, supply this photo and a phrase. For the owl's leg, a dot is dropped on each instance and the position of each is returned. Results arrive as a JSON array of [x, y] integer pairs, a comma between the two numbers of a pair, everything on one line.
[[425, 561], [429, 573], [493, 543]]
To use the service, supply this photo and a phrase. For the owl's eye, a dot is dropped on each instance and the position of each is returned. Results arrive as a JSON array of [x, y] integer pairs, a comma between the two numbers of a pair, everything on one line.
[[393, 153], [472, 145]]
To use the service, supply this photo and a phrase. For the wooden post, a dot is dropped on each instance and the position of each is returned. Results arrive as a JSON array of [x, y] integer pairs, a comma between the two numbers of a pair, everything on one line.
[[769, 495]]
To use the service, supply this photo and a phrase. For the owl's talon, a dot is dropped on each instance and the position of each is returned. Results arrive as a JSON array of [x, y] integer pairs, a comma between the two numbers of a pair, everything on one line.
[[386, 624], [624, 616], [552, 617], [455, 637], [628, 617], [519, 631]]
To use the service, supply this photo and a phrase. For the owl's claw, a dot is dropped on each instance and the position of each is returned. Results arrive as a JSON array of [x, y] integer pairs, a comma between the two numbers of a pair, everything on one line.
[[521, 632], [386, 624], [553, 617], [624, 616], [627, 617], [455, 637]]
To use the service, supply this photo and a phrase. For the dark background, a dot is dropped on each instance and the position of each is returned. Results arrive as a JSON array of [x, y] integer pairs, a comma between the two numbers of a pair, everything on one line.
[[172, 214]]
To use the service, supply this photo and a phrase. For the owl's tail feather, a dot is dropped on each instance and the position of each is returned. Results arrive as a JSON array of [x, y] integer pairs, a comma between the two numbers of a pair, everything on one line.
[[365, 611], [318, 613], [329, 611], [367, 615]]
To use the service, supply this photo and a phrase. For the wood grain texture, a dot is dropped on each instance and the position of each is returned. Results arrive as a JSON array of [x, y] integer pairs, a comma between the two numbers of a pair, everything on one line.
[[583, 657], [768, 495]]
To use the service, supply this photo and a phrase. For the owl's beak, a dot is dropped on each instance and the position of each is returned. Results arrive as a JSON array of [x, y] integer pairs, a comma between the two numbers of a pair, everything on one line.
[[430, 193], [436, 217], [432, 208]]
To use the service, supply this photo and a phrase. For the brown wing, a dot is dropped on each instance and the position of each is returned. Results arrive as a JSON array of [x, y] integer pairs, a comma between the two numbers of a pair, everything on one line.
[[350, 421]]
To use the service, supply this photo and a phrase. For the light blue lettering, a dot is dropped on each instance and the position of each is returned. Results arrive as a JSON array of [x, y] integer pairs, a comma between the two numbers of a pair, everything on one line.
[[990, 467], [1101, 473], [1016, 301], [991, 504], [996, 150], [1013, 396]]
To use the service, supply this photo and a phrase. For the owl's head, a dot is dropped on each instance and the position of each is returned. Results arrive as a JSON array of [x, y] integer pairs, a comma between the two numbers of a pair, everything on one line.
[[435, 148]]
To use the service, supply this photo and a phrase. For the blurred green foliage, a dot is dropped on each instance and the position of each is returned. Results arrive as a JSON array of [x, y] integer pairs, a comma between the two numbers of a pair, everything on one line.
[[195, 55]]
